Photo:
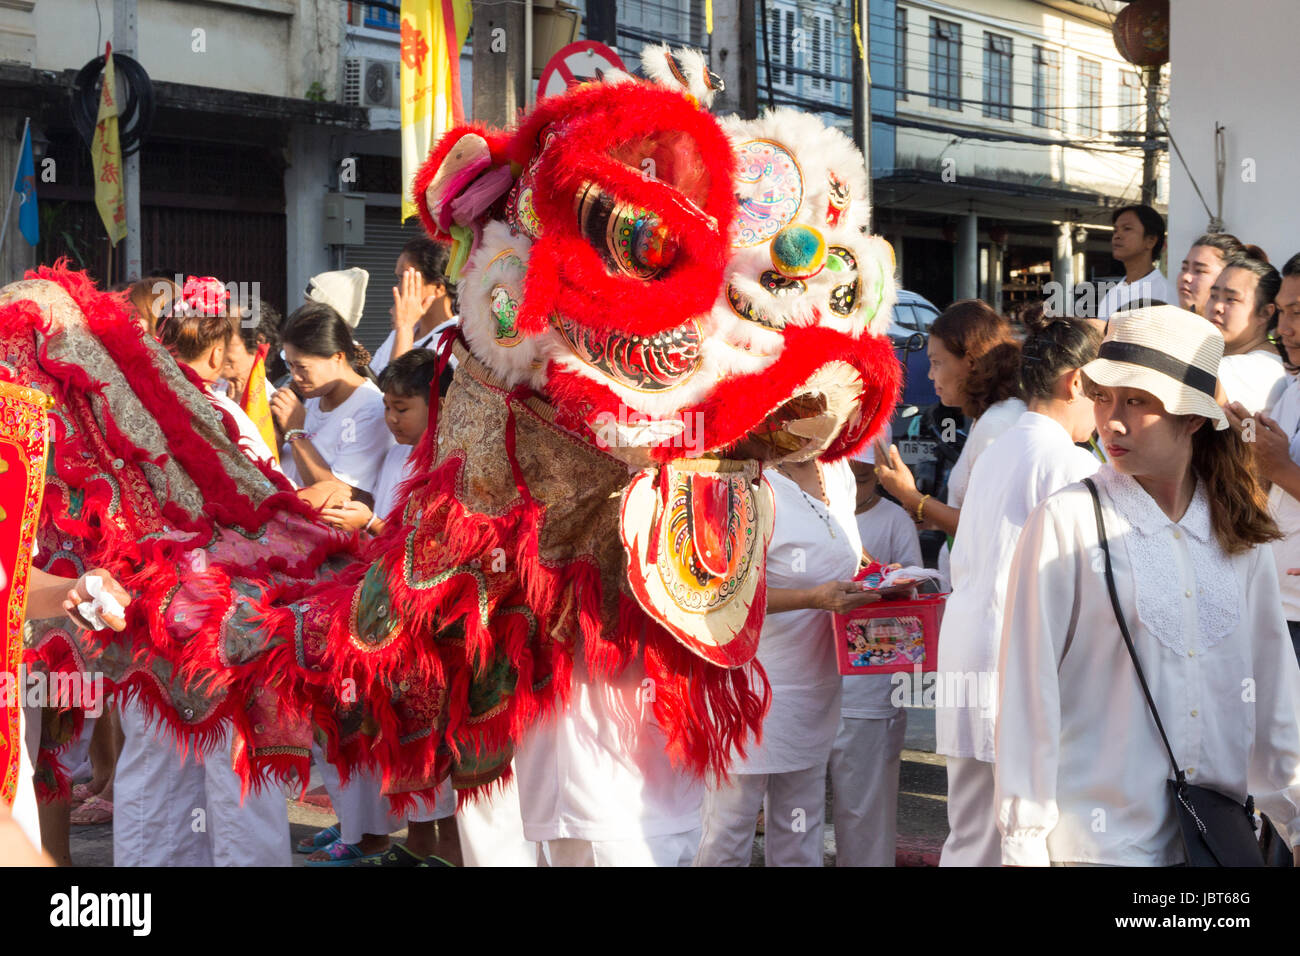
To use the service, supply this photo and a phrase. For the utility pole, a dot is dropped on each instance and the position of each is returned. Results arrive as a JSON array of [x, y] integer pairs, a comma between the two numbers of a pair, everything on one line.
[[602, 22], [500, 54], [124, 42], [1150, 155], [860, 64]]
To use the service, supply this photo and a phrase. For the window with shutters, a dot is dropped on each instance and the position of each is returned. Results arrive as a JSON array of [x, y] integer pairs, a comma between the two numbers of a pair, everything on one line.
[[997, 76], [1089, 120], [1130, 101], [945, 64], [900, 54], [1047, 87]]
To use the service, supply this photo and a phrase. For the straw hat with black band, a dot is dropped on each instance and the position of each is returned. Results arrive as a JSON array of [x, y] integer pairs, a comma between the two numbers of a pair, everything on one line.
[[1167, 351]]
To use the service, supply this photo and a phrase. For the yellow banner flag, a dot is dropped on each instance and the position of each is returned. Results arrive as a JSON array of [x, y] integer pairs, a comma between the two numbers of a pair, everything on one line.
[[255, 403], [433, 31], [106, 155]]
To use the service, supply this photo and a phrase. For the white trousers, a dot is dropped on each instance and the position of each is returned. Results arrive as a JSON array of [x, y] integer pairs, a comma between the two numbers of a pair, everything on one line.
[[794, 810], [24, 808], [492, 831], [973, 835], [174, 811], [443, 807], [864, 775], [671, 849], [361, 805]]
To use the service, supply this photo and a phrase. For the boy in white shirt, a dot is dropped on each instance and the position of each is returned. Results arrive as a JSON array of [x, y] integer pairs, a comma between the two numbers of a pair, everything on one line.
[[867, 754], [432, 839]]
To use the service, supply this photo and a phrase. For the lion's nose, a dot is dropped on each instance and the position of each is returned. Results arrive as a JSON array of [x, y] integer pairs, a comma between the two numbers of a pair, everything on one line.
[[798, 252]]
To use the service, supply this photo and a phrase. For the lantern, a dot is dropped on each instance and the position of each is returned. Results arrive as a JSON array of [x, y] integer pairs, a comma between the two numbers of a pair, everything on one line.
[[1142, 32]]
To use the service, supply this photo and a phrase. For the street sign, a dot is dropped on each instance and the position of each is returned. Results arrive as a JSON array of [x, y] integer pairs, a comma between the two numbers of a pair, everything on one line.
[[576, 63]]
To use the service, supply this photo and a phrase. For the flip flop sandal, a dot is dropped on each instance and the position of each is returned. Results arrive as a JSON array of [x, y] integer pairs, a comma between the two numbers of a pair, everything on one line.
[[319, 840], [344, 854], [92, 813], [400, 855], [81, 793]]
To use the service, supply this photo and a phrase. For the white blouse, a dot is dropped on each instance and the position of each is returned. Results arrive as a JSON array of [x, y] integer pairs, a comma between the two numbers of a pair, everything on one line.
[[1285, 509], [351, 438], [996, 419], [1024, 466], [1256, 379], [797, 648], [1081, 770]]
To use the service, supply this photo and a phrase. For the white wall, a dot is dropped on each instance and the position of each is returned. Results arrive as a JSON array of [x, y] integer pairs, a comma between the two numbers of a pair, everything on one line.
[[1243, 75]]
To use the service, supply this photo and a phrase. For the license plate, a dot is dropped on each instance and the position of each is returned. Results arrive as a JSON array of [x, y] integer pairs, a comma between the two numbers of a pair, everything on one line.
[[915, 452]]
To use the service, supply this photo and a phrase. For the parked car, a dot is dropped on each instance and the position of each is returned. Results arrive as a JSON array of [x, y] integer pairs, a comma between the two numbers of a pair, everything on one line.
[[909, 331]]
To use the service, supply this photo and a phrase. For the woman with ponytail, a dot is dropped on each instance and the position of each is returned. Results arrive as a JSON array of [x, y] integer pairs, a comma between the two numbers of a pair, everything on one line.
[[1028, 462], [332, 413], [1154, 566]]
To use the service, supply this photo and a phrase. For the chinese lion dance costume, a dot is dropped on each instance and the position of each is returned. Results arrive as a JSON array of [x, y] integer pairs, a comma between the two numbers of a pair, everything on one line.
[[655, 305]]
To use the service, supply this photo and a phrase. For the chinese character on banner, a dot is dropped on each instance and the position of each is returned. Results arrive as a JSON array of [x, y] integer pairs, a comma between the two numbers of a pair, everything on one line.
[[433, 31], [109, 197]]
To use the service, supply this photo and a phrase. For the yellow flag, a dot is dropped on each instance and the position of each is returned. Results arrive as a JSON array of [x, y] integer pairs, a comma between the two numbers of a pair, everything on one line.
[[433, 31], [106, 155], [254, 401]]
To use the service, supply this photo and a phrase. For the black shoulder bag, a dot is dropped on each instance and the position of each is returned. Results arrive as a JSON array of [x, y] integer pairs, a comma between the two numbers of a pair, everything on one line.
[[1216, 830]]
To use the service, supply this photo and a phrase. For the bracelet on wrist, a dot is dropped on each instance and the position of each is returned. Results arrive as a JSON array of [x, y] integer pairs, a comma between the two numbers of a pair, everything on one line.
[[293, 434], [920, 508], [369, 523]]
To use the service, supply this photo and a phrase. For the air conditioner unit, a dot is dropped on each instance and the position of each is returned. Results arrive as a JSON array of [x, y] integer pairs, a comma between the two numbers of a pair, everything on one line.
[[368, 82]]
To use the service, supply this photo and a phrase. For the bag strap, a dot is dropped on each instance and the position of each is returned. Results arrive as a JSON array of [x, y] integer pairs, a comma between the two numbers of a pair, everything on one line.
[[1123, 628]]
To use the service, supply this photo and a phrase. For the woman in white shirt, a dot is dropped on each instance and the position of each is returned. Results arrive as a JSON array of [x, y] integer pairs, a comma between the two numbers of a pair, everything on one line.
[[974, 362], [1081, 770], [814, 553], [1026, 464], [1241, 307], [335, 433], [1276, 439]]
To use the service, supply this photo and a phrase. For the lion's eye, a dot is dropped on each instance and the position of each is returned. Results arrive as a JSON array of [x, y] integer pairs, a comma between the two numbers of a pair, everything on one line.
[[631, 240]]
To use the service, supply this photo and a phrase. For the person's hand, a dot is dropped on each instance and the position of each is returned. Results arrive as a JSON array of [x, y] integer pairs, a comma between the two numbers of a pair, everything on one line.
[[893, 474], [287, 409], [79, 593], [327, 493], [1272, 445], [840, 597], [347, 516], [408, 303]]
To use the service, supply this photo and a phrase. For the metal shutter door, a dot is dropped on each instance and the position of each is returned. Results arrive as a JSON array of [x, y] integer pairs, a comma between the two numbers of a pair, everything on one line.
[[384, 241]]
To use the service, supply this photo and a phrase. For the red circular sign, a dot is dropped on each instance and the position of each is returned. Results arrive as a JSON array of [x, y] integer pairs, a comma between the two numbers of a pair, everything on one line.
[[576, 63]]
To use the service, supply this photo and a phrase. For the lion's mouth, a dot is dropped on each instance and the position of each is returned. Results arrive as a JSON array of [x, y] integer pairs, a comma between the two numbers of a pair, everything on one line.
[[805, 425]]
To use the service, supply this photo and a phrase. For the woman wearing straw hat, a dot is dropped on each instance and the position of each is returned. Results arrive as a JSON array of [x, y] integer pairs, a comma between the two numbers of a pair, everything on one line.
[[1081, 769]]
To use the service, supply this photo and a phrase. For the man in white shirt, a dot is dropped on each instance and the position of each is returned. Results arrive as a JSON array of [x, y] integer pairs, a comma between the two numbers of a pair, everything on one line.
[[1137, 242]]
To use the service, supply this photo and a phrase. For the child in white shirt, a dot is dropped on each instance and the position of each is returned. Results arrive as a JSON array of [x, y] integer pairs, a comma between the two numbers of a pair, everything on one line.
[[867, 754]]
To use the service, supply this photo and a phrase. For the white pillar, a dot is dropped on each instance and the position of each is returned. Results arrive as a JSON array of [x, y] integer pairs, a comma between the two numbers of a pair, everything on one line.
[[966, 277], [1063, 263]]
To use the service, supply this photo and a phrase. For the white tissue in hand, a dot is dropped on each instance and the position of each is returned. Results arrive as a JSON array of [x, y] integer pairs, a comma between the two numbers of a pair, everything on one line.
[[100, 600]]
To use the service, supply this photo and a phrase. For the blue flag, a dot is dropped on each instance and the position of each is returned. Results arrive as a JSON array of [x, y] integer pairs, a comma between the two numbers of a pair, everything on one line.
[[29, 220]]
